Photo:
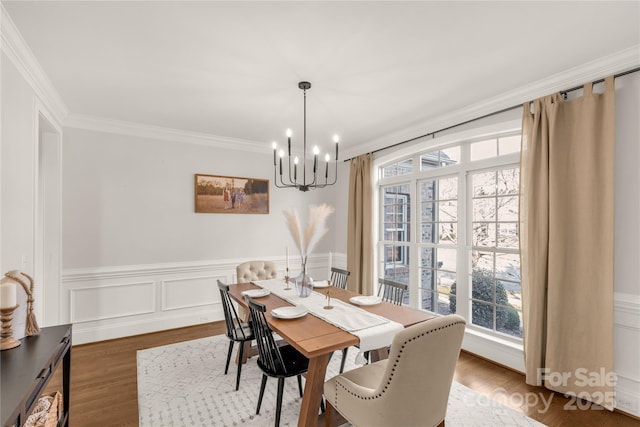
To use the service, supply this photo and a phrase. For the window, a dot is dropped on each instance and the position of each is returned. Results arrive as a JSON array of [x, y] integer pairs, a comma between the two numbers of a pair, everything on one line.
[[439, 235], [396, 226], [402, 167], [495, 261], [463, 199]]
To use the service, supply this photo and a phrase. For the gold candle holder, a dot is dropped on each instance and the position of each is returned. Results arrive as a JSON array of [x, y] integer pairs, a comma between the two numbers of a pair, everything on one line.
[[7, 341], [286, 280], [328, 306]]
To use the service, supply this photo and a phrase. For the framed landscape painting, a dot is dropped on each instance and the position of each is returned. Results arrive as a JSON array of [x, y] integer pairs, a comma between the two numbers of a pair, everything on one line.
[[231, 194]]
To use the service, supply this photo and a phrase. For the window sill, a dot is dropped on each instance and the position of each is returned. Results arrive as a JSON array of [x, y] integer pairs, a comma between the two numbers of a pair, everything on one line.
[[500, 350]]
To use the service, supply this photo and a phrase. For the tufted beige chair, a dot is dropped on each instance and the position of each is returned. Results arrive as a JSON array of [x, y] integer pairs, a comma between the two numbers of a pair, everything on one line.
[[410, 388], [256, 270]]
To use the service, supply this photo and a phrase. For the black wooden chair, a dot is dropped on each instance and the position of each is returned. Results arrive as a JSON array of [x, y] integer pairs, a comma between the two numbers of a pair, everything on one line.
[[339, 277], [279, 362], [392, 291], [237, 331]]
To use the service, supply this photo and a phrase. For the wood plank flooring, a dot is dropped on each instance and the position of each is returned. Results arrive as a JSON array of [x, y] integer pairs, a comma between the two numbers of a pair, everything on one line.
[[104, 390]]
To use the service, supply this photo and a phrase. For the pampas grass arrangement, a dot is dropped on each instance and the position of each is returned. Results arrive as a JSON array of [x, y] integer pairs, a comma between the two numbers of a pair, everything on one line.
[[316, 228]]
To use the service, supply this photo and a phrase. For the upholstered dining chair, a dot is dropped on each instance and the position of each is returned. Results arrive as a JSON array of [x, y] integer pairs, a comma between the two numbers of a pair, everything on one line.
[[256, 270], [339, 277], [237, 331], [410, 388], [392, 291], [279, 362]]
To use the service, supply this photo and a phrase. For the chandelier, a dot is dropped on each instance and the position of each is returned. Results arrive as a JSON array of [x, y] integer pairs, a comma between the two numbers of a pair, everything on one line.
[[306, 181]]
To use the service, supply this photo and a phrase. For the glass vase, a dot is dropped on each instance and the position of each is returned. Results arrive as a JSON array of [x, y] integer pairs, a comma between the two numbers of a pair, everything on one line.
[[304, 283]]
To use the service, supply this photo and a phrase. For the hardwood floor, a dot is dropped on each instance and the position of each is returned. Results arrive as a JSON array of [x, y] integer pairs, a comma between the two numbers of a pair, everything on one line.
[[104, 390]]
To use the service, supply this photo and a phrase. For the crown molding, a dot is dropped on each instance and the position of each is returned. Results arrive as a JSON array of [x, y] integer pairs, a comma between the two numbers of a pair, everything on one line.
[[18, 51], [121, 127], [615, 63]]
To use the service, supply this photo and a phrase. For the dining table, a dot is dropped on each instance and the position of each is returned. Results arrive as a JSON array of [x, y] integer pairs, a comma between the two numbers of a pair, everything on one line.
[[317, 339]]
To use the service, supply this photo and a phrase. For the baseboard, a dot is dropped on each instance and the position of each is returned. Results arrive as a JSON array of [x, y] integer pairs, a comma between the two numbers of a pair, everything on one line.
[[84, 334]]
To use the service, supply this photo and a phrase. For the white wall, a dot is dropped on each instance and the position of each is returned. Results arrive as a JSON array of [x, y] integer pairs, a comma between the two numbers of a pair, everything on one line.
[[17, 179], [130, 200], [627, 244]]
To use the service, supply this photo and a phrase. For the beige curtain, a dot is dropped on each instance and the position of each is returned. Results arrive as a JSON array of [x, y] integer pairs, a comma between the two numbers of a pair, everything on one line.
[[566, 239], [359, 226]]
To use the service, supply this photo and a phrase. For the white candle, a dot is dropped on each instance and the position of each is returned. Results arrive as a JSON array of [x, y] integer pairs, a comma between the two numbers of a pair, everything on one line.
[[286, 249], [330, 263], [8, 297]]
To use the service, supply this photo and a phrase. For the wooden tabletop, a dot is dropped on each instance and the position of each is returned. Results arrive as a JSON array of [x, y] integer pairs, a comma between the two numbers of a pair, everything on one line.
[[317, 339]]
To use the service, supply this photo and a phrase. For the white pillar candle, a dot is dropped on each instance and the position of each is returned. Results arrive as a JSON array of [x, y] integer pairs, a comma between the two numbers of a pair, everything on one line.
[[286, 251], [8, 297], [330, 263]]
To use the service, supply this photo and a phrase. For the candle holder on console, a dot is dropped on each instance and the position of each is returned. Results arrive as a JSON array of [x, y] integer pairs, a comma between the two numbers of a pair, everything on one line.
[[7, 341]]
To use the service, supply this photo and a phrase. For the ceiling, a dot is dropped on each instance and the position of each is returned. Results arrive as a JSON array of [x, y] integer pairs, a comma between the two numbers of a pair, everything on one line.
[[231, 69]]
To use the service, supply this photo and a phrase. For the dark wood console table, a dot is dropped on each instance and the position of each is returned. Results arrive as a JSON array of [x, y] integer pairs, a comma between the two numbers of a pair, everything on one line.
[[26, 370]]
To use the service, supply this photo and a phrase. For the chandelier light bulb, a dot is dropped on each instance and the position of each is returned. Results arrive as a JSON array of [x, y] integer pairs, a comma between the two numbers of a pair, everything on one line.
[[295, 161], [281, 153], [336, 138], [316, 150], [274, 145], [326, 157], [289, 133]]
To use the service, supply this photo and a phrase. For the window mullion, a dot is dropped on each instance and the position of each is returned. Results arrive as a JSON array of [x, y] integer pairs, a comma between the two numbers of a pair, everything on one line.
[[463, 291], [414, 247]]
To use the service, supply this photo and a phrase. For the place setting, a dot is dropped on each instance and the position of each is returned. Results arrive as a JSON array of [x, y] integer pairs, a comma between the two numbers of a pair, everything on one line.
[[256, 293], [365, 300], [289, 312]]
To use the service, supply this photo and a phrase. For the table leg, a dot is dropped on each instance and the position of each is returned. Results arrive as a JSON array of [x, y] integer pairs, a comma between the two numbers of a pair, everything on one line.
[[313, 389], [379, 354]]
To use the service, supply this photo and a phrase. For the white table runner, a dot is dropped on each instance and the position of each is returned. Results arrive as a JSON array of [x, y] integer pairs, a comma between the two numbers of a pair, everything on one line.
[[374, 331]]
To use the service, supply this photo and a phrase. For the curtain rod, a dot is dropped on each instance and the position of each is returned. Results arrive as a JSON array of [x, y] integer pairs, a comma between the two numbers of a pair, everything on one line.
[[504, 110]]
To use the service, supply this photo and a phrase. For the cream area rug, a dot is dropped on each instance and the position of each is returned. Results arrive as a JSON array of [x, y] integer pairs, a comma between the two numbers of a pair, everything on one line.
[[184, 384]]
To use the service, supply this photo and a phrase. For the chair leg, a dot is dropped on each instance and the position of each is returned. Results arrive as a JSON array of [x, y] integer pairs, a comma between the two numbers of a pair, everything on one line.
[[279, 400], [240, 354], [344, 359], [328, 415], [300, 384], [226, 368], [322, 408], [264, 383]]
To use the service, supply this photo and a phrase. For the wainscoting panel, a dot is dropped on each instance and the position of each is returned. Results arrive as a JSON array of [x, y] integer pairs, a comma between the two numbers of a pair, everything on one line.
[[626, 344], [190, 292], [112, 301]]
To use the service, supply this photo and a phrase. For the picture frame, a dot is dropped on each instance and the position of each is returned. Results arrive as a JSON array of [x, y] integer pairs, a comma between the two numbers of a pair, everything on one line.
[[231, 194]]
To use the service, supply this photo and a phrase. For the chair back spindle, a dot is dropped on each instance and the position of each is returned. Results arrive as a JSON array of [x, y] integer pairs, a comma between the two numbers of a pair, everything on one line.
[[392, 291], [339, 277]]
